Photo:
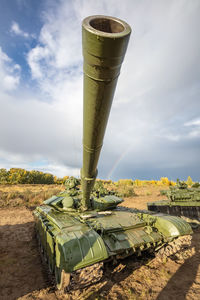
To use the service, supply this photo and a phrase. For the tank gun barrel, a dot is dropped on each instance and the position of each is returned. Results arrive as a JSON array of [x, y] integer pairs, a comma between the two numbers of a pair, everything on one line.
[[105, 41]]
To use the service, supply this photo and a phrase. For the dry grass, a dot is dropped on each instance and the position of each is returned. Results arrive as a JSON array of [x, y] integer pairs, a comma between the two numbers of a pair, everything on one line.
[[144, 194], [31, 195], [28, 195], [137, 196], [132, 278]]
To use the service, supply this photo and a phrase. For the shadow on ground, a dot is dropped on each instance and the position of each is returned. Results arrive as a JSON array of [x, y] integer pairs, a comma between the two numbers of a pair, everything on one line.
[[185, 277], [21, 271]]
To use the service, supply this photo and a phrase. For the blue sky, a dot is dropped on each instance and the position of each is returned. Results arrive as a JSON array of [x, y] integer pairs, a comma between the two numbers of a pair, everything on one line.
[[154, 126]]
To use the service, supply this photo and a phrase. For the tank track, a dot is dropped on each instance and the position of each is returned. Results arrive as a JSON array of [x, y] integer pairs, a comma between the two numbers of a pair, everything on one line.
[[178, 249], [85, 277], [190, 212], [76, 280]]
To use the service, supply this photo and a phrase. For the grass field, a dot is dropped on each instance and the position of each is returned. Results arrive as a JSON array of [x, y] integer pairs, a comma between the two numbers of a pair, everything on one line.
[[25, 276], [28, 195], [31, 195]]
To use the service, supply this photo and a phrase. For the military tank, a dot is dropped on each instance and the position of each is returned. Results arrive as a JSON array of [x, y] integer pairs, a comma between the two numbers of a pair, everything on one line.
[[182, 201], [82, 228]]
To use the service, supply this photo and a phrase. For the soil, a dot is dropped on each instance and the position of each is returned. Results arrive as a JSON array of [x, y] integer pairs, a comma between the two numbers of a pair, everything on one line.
[[24, 276]]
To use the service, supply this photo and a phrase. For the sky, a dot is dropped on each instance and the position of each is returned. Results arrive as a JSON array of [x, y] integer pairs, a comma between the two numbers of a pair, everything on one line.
[[154, 125]]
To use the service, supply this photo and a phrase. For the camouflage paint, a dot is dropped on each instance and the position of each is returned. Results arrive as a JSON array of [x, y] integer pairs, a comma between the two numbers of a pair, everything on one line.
[[105, 41]]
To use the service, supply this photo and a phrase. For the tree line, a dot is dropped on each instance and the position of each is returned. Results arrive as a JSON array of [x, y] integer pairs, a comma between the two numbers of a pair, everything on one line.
[[22, 176]]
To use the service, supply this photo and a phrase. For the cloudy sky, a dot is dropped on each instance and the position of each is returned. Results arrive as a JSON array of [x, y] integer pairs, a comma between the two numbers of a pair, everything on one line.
[[154, 126]]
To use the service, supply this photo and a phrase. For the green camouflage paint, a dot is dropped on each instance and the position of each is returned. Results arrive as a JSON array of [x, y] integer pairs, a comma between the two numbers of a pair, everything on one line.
[[80, 226], [183, 201]]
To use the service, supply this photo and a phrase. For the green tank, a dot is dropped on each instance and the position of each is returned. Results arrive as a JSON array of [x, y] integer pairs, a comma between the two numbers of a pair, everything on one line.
[[182, 201], [82, 228]]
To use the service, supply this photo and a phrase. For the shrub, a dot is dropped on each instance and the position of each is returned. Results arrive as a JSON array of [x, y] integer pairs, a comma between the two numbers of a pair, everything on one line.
[[189, 181], [129, 182]]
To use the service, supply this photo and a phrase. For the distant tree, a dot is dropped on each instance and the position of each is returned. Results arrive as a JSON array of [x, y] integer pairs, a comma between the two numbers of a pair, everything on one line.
[[3, 176], [189, 181], [13, 176], [48, 178], [22, 176]]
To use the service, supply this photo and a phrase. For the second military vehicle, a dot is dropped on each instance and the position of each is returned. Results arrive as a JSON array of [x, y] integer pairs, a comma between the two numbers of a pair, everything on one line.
[[182, 201]]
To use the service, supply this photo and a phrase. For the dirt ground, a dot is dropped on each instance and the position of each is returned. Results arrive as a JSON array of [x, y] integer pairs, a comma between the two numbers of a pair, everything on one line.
[[23, 275]]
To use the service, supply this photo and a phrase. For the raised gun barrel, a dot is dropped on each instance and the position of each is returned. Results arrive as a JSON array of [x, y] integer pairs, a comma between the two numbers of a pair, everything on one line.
[[105, 41]]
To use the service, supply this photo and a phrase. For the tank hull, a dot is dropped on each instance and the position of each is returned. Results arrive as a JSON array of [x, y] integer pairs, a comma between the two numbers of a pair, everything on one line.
[[72, 242]]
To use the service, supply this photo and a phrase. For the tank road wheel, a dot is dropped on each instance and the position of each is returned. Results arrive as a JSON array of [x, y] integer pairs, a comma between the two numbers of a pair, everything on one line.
[[62, 278]]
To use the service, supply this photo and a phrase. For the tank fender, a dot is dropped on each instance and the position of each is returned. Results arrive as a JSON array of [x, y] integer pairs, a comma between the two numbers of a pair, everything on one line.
[[171, 226], [77, 247]]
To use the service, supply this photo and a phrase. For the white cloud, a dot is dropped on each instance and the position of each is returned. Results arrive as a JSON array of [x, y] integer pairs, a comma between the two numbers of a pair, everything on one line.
[[194, 128], [18, 31], [33, 131], [156, 98], [195, 133], [57, 56], [60, 170], [9, 73], [35, 56], [193, 123], [16, 160]]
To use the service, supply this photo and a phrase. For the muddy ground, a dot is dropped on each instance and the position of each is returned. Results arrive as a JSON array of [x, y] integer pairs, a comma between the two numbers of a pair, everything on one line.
[[23, 275]]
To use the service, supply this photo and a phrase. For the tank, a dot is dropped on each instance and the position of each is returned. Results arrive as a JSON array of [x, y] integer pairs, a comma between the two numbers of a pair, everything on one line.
[[83, 228], [182, 201]]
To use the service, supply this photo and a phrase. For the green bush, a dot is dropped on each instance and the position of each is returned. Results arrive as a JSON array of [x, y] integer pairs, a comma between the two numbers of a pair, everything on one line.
[[189, 181]]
